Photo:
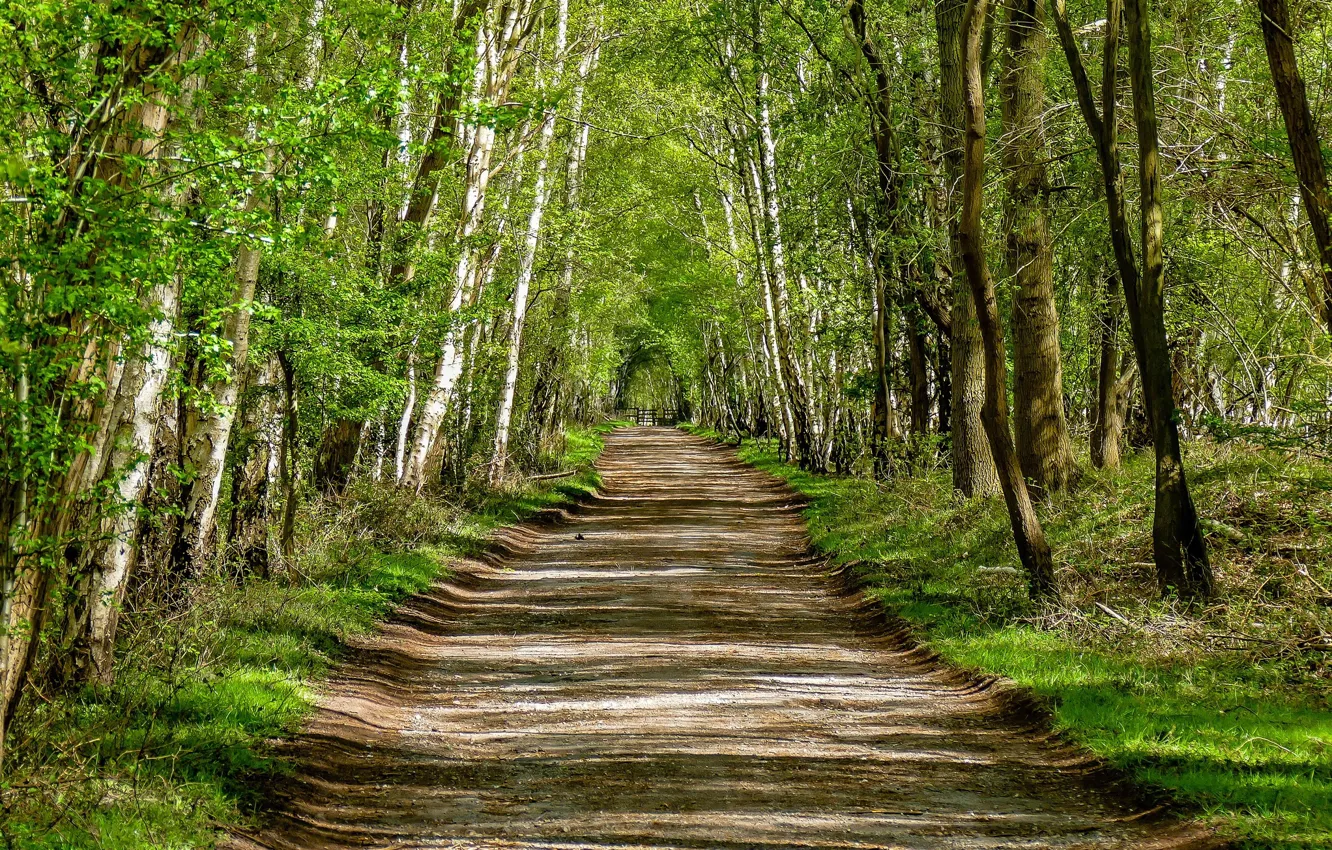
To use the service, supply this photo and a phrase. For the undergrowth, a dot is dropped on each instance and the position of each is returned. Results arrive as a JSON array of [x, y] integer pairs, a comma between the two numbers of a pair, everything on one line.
[[1226, 708], [176, 747]]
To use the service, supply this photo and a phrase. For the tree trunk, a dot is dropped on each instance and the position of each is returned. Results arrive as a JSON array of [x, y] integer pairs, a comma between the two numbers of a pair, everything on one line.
[[883, 262], [288, 462], [777, 278], [974, 473], [116, 138], [1027, 532], [449, 367], [1040, 427], [943, 395], [206, 451], [498, 48], [885, 433], [1305, 146], [920, 381], [209, 438], [499, 455], [782, 394], [546, 387], [247, 532], [439, 153], [1177, 540], [336, 456], [405, 421], [1107, 424]]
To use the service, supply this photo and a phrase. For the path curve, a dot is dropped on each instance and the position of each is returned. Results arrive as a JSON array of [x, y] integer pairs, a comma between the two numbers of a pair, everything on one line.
[[669, 669]]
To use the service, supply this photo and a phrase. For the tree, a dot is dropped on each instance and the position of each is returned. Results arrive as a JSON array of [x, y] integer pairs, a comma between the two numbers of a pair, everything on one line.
[[973, 467], [1305, 148], [1027, 531], [1041, 430], [1177, 542], [1177, 539]]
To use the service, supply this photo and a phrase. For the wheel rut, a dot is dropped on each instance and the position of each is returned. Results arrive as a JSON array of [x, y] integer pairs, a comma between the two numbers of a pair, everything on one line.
[[669, 668]]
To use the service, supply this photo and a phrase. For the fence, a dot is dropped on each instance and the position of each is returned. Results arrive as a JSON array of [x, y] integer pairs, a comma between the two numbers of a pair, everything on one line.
[[649, 415]]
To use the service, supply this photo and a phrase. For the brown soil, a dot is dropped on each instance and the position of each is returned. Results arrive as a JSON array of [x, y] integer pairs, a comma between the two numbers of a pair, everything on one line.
[[669, 668]]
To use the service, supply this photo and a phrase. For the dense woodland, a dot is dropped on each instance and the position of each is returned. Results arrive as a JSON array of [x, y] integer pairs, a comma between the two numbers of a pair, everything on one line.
[[259, 255]]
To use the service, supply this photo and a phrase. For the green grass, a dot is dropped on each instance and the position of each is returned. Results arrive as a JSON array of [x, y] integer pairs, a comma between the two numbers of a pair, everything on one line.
[[1221, 707], [179, 745]]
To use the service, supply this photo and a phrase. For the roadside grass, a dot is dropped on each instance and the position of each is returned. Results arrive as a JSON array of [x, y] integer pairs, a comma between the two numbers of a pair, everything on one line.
[[1226, 708], [175, 748]]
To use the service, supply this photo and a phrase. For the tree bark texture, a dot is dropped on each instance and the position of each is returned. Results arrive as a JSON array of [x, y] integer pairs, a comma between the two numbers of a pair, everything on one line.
[[1040, 427], [206, 446], [1305, 147], [1027, 531], [1178, 545], [974, 473], [778, 285], [504, 414], [498, 47], [251, 485]]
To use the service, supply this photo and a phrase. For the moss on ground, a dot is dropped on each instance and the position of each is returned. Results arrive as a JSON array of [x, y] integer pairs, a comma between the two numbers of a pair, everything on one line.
[[1228, 708]]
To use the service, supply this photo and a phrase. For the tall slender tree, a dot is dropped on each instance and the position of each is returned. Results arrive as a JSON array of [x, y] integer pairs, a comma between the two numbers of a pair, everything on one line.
[[1027, 531]]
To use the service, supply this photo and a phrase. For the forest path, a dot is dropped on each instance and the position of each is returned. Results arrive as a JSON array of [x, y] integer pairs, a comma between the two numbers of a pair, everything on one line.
[[669, 669]]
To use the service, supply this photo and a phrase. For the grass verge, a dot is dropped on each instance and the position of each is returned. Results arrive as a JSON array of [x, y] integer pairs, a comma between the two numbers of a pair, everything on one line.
[[1227, 708], [175, 748]]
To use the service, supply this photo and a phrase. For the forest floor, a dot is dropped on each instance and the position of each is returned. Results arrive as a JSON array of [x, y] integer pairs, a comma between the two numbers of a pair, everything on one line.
[[669, 666], [1225, 708]]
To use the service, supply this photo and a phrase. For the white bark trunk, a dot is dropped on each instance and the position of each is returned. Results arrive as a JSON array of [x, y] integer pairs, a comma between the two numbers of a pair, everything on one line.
[[771, 343], [577, 155], [450, 363], [212, 431], [131, 449], [772, 212], [497, 58], [405, 422], [503, 416]]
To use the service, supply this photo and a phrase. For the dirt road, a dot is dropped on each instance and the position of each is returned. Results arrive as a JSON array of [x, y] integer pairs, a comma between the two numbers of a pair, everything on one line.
[[668, 669]]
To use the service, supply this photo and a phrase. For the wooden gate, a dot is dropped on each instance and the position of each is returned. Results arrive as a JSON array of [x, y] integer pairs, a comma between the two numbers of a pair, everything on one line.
[[649, 416]]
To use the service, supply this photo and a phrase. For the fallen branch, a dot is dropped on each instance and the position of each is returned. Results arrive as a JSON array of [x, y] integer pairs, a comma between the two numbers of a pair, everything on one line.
[[550, 475], [1113, 613]]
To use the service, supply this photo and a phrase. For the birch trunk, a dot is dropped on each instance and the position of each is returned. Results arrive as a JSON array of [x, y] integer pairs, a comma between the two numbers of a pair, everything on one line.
[[499, 456], [771, 348], [117, 140], [545, 392], [405, 421], [497, 55], [798, 401], [134, 435], [449, 366], [206, 451]]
